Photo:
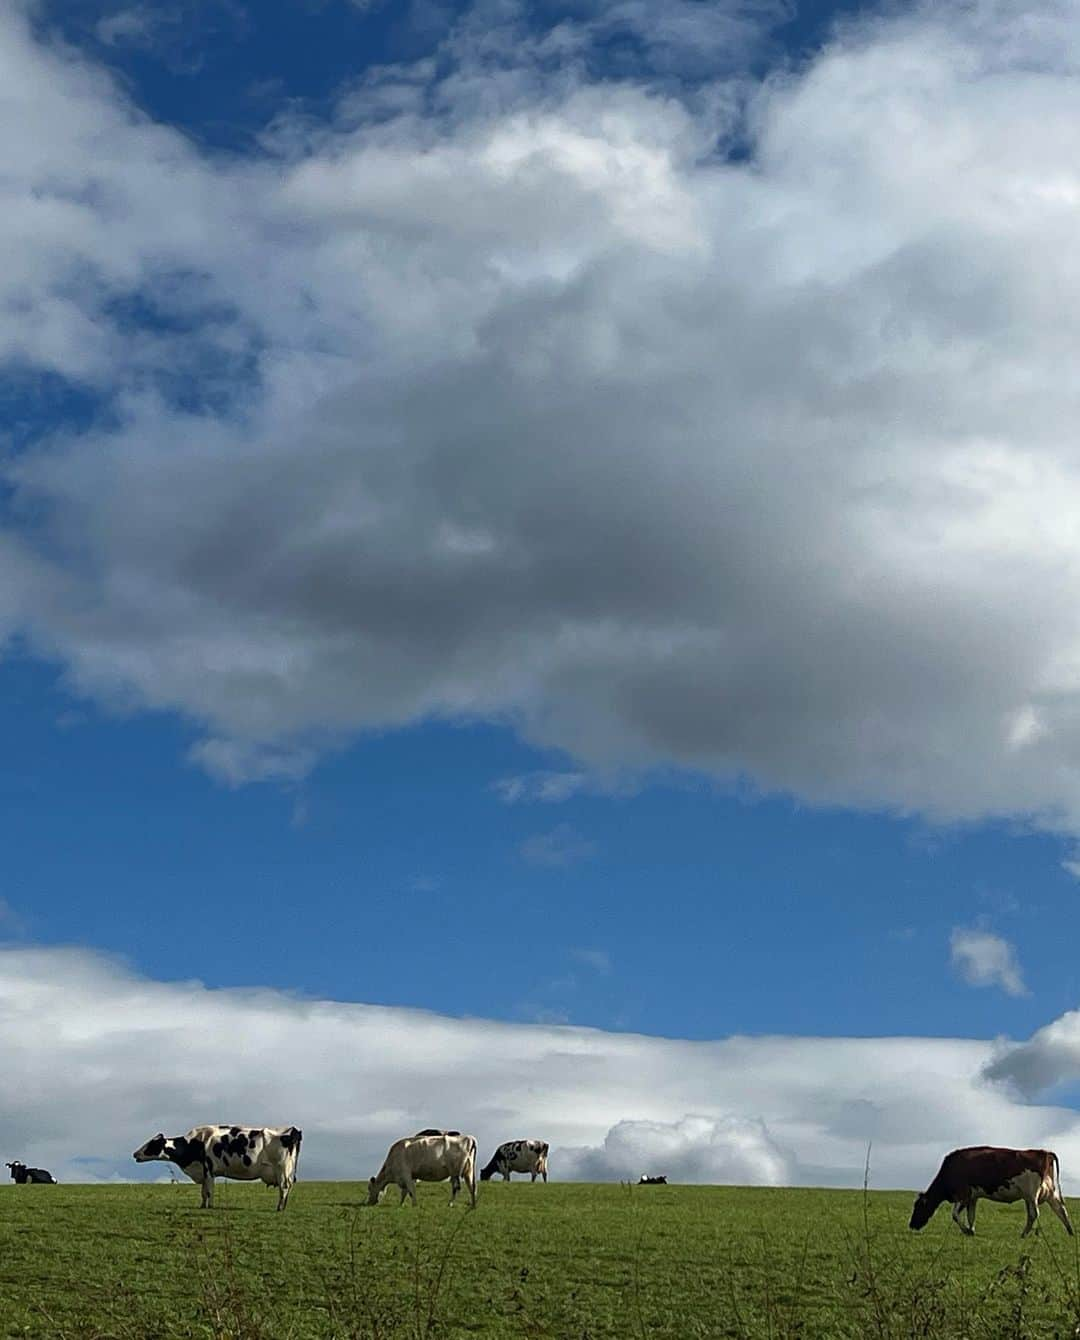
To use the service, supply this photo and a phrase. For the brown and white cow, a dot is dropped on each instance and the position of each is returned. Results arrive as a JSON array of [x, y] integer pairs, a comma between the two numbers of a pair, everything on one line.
[[986, 1172]]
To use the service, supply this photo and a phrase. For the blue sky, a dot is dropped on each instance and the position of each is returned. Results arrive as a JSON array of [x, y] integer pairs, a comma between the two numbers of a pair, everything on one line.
[[555, 514]]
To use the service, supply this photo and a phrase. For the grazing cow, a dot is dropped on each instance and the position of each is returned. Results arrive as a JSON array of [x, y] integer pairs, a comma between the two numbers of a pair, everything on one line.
[[645, 1180], [518, 1156], [433, 1157], [966, 1175], [21, 1173], [244, 1153]]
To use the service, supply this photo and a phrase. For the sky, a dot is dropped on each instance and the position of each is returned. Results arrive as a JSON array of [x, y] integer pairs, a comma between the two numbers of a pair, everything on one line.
[[540, 580]]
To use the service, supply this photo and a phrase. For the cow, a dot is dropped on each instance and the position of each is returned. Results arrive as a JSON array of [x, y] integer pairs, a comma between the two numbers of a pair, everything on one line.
[[21, 1173], [966, 1175], [646, 1180], [243, 1153], [432, 1157], [518, 1156]]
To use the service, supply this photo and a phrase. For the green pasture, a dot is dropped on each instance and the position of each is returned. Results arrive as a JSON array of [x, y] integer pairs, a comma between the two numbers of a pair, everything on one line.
[[570, 1260]]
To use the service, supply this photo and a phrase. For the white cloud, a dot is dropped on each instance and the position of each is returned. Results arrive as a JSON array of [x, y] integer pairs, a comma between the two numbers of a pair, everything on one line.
[[694, 1149], [548, 787], [96, 1059], [561, 847], [236, 762], [984, 959], [515, 400], [597, 959]]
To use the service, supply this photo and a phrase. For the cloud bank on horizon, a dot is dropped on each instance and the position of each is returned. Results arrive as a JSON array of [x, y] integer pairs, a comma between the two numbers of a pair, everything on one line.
[[726, 424], [97, 1059]]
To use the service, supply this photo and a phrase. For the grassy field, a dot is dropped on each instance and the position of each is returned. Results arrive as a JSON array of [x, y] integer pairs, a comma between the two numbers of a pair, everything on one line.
[[144, 1263]]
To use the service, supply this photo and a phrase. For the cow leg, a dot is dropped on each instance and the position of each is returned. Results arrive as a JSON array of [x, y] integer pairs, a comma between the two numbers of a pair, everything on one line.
[[506, 1175], [284, 1187], [971, 1213], [207, 1191], [957, 1210], [455, 1187], [1057, 1204], [1032, 1215], [409, 1190], [471, 1183]]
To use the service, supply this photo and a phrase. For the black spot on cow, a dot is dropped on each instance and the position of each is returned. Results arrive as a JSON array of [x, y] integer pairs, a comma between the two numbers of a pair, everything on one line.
[[253, 1139], [155, 1146], [216, 1149], [186, 1153], [247, 1160], [291, 1138], [234, 1130]]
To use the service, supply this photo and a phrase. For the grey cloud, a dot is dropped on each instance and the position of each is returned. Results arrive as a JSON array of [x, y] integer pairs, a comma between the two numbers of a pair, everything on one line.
[[538, 412], [1050, 1057]]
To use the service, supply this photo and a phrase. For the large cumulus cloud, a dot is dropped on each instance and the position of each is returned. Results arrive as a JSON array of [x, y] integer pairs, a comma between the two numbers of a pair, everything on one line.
[[97, 1058], [539, 406]]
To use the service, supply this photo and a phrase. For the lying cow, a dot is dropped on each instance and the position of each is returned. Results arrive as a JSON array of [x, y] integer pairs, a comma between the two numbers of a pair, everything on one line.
[[427, 1158], [966, 1175], [518, 1156], [243, 1153], [21, 1173], [645, 1180]]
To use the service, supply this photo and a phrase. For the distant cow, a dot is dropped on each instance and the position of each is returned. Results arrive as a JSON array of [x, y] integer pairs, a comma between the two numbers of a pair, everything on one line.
[[966, 1175], [243, 1153], [518, 1156], [21, 1173], [427, 1158], [644, 1180]]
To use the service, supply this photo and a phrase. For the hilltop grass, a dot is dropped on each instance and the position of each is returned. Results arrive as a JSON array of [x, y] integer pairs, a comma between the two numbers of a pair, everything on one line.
[[570, 1260]]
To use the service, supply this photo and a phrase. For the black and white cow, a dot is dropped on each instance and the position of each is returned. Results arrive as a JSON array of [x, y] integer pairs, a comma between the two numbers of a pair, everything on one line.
[[990, 1173], [431, 1156], [243, 1153], [646, 1180], [518, 1156], [21, 1173]]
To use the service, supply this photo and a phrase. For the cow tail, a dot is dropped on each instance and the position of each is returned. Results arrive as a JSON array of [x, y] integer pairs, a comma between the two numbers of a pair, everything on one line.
[[1057, 1171]]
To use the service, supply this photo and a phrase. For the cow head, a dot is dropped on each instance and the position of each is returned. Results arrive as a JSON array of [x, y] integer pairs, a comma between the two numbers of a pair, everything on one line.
[[372, 1191], [157, 1148], [922, 1211], [16, 1168]]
